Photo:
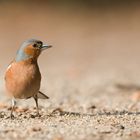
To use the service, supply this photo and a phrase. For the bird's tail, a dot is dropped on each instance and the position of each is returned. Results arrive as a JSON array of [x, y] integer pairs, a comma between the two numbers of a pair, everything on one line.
[[42, 95]]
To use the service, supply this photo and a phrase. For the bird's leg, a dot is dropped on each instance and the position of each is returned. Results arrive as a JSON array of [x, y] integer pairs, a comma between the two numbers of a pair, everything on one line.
[[36, 101], [13, 107]]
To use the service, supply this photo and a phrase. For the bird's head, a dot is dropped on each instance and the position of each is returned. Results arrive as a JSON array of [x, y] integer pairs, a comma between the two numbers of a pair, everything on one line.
[[31, 49]]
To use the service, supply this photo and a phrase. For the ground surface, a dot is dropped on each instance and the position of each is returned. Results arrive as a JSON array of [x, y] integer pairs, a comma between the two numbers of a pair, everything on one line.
[[114, 115]]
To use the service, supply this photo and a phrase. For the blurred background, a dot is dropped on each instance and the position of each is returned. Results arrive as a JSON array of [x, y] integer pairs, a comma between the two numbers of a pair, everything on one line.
[[95, 42]]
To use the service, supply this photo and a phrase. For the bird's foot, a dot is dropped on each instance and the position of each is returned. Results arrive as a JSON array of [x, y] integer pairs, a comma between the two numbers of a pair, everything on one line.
[[38, 114], [12, 116], [35, 115]]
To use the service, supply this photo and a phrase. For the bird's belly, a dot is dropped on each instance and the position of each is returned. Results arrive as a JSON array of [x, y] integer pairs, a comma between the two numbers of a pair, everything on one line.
[[23, 81]]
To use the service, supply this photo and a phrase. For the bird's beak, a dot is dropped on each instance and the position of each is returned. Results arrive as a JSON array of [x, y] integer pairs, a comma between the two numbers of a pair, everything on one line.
[[44, 47]]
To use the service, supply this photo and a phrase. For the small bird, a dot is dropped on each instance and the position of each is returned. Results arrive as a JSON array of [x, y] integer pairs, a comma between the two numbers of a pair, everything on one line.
[[23, 77]]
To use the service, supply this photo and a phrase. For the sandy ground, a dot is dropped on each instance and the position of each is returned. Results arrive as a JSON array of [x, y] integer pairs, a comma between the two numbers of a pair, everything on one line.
[[106, 114], [92, 75]]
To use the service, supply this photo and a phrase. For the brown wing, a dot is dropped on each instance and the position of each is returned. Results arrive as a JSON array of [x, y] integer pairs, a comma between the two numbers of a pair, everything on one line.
[[8, 68], [42, 95]]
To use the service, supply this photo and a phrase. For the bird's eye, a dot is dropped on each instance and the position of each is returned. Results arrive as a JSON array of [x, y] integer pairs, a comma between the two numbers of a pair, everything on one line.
[[35, 45]]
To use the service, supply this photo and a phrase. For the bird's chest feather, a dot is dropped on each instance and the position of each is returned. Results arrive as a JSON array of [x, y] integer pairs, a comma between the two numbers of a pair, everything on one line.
[[22, 77]]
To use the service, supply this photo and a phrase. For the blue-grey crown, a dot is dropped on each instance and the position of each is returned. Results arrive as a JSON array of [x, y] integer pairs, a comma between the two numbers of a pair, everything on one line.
[[21, 55]]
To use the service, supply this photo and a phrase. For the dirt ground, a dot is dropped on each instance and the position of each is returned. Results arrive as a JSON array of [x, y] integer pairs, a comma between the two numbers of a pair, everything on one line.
[[105, 114], [92, 74]]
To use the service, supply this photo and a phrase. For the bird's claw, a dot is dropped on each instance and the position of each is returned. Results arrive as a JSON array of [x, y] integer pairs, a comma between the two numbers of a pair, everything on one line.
[[12, 116]]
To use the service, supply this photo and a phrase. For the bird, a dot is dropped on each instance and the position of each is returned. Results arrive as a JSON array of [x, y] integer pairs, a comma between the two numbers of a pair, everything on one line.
[[23, 77]]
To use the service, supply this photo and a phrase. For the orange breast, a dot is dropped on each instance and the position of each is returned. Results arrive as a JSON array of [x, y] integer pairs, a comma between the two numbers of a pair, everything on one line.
[[22, 79]]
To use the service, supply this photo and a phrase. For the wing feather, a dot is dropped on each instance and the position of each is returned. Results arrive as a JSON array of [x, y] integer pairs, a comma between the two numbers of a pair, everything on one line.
[[42, 95]]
